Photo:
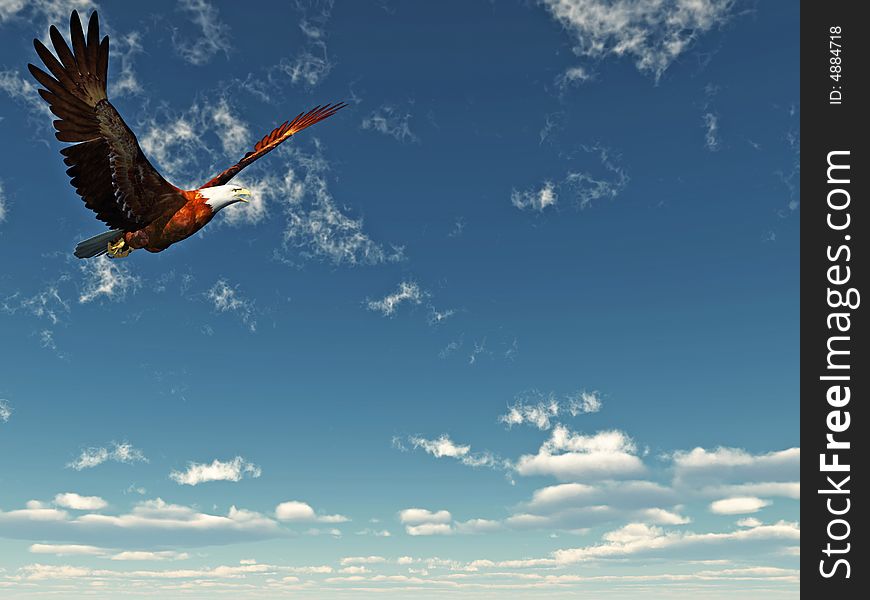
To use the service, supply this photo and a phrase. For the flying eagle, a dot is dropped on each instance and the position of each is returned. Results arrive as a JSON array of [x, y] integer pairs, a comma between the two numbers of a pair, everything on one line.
[[106, 165]]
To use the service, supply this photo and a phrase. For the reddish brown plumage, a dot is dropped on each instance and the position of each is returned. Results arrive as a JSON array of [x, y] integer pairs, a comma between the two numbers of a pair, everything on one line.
[[106, 165]]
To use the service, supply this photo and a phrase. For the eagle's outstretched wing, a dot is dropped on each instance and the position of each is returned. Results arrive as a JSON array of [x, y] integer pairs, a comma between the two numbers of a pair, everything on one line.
[[106, 164], [279, 135]]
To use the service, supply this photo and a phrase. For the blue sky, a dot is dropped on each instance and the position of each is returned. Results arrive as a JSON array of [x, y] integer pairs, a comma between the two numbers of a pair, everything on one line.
[[522, 320]]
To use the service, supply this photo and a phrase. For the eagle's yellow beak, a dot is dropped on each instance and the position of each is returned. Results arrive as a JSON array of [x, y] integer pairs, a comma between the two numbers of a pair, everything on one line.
[[244, 195]]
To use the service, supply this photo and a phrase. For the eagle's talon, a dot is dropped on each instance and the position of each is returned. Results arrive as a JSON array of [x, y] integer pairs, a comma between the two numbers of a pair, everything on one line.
[[118, 249]]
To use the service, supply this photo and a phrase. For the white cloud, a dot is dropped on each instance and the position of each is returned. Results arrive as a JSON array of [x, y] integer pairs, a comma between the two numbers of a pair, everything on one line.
[[231, 470], [620, 494], [227, 299], [67, 549], [150, 555], [567, 455], [234, 134], [47, 304], [443, 446], [3, 210], [23, 91], [587, 187], [5, 410], [738, 505], [123, 54], [429, 529], [107, 278], [421, 522], [723, 466], [711, 136], [639, 538], [390, 121], [374, 532], [605, 181], [534, 408], [473, 526], [417, 516], [537, 200], [408, 291], [83, 550], [295, 510], [309, 67], [175, 143], [122, 453], [77, 502], [652, 32], [213, 35], [748, 522], [354, 570], [315, 226], [362, 560], [574, 75], [149, 525], [53, 11]]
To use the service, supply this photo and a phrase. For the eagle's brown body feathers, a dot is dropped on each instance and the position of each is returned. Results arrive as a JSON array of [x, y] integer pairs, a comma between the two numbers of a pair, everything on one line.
[[106, 165]]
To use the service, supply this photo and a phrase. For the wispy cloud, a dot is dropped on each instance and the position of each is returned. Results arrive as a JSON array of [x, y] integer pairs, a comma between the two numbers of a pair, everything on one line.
[[311, 65], [711, 135], [389, 120], [5, 410], [125, 48], [574, 76], [605, 181], [212, 38], [588, 187], [316, 228], [23, 92], [4, 211], [535, 408], [444, 447], [537, 200], [651, 32], [231, 470], [407, 292], [47, 304], [48, 11], [226, 298], [122, 453], [106, 278]]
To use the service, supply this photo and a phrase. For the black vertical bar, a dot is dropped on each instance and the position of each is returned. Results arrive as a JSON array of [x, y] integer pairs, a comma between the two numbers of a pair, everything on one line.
[[834, 224]]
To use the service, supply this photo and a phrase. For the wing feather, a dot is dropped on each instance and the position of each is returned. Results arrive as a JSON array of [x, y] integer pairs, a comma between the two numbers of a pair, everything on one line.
[[277, 136], [106, 165]]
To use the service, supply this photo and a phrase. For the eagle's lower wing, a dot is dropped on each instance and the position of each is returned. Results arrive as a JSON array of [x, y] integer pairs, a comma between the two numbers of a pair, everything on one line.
[[279, 135], [106, 164]]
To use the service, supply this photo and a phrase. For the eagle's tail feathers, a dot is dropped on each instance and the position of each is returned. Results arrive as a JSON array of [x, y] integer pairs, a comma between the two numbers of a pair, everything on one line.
[[97, 245]]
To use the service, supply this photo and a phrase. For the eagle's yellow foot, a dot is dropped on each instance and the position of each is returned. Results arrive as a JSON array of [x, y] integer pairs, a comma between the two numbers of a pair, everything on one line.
[[118, 249]]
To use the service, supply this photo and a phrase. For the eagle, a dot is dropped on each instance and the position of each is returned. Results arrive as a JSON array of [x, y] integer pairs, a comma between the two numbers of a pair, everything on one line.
[[107, 167]]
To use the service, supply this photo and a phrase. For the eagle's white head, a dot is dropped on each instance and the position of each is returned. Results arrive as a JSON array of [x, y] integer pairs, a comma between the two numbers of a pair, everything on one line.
[[221, 196]]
